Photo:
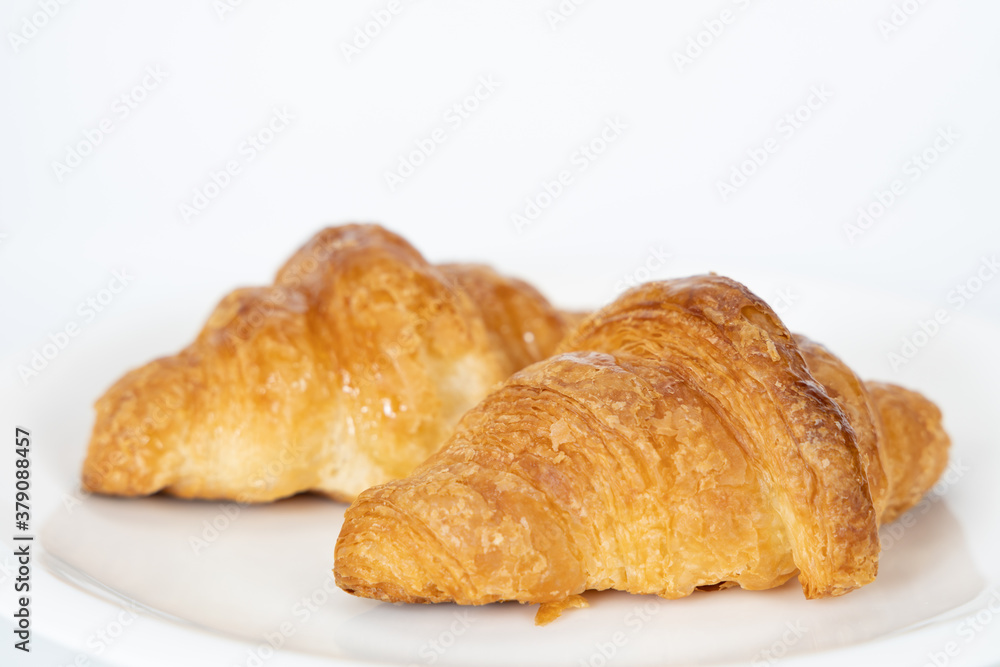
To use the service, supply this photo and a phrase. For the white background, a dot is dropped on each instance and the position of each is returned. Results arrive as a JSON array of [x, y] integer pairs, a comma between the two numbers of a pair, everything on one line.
[[655, 187]]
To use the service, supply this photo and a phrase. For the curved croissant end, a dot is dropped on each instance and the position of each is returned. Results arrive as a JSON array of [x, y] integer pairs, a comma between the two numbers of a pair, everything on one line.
[[682, 438], [348, 371]]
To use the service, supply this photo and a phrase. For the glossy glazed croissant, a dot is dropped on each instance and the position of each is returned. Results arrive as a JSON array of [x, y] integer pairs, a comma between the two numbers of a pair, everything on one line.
[[682, 438], [347, 372]]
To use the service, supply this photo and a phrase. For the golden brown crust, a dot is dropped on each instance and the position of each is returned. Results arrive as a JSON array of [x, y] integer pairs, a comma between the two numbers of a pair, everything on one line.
[[919, 445], [521, 324], [574, 317], [348, 371], [679, 440], [851, 396]]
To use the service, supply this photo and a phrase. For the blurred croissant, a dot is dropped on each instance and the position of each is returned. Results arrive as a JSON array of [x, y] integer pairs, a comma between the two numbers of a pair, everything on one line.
[[347, 372], [682, 438]]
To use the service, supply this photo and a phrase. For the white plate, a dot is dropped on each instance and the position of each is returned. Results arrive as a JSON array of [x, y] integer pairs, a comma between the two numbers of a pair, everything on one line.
[[265, 571]]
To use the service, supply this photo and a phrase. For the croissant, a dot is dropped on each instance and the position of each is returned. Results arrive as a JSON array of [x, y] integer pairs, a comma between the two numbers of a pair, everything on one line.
[[347, 372], [681, 438]]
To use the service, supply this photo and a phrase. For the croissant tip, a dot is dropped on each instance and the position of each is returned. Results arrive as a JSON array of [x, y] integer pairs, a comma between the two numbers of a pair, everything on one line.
[[383, 591]]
